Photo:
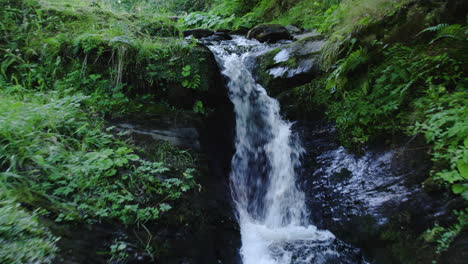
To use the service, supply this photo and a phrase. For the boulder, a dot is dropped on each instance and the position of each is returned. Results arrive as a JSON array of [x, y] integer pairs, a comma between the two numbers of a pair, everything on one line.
[[289, 66], [218, 36], [198, 33], [269, 33], [293, 30], [241, 31]]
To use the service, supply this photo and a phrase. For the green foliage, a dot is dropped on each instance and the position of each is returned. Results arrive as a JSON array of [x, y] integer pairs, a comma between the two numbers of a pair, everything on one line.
[[378, 103], [311, 14], [121, 62], [118, 251], [207, 20], [446, 127], [454, 31], [51, 149], [191, 78], [339, 77], [445, 236], [198, 107], [141, 7], [242, 14], [22, 238], [349, 18]]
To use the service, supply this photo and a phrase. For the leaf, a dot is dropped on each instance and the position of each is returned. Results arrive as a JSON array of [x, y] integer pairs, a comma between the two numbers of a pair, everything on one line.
[[465, 195], [121, 247], [120, 162], [164, 207], [133, 157], [463, 168], [459, 188], [105, 164]]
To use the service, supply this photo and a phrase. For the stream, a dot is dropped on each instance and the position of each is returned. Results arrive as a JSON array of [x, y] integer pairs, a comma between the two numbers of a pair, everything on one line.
[[270, 205]]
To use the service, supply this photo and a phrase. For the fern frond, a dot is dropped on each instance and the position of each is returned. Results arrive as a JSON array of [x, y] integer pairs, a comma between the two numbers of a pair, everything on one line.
[[437, 28]]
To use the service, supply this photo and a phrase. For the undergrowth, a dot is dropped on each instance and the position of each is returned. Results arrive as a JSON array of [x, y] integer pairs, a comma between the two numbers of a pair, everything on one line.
[[65, 65], [56, 159], [22, 238], [47, 45]]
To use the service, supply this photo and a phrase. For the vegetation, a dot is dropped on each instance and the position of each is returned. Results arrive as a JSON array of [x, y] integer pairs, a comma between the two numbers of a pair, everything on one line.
[[65, 66], [23, 239], [392, 69]]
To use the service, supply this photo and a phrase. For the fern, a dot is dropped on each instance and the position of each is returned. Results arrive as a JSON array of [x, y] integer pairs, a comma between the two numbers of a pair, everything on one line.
[[436, 28], [454, 31], [338, 78]]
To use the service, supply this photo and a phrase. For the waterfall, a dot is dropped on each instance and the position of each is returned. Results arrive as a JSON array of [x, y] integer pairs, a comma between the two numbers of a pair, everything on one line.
[[271, 208]]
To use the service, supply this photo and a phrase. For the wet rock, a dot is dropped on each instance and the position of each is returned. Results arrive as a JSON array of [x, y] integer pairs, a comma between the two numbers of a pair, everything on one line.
[[198, 33], [269, 33], [182, 136], [240, 31], [289, 66], [313, 33], [218, 36], [293, 30], [374, 201], [341, 176]]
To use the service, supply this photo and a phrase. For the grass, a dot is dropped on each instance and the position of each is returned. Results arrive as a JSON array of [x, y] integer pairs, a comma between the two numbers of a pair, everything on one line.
[[22, 238]]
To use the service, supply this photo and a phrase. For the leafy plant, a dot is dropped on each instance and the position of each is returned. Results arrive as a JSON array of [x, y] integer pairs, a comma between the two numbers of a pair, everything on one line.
[[198, 107], [191, 79], [371, 104], [207, 20], [97, 176], [446, 127], [454, 31], [445, 236]]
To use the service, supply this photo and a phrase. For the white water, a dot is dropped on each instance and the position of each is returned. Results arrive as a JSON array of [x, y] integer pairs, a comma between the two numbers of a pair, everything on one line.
[[272, 214]]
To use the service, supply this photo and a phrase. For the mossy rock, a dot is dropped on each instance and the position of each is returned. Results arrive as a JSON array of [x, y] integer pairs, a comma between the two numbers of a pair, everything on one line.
[[198, 33], [289, 66], [269, 33]]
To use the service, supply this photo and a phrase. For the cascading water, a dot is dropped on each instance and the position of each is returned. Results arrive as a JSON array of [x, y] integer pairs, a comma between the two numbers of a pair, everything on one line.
[[271, 209]]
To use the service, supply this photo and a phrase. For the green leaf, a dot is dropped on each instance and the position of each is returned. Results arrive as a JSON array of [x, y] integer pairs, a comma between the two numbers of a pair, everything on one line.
[[120, 162], [459, 188], [463, 168], [164, 207], [106, 164], [121, 247], [465, 195], [133, 157]]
